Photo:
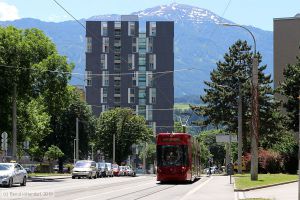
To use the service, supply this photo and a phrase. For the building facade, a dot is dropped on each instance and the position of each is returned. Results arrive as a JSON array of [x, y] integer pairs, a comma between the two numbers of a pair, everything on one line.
[[129, 68], [286, 45]]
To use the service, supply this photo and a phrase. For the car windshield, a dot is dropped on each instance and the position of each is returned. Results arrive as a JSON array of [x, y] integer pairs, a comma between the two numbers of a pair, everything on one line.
[[102, 165], [172, 155], [5, 167], [82, 164], [115, 166]]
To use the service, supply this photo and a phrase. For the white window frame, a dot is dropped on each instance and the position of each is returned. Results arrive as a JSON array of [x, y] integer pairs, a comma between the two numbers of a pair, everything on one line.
[[89, 78], [89, 44], [153, 66], [104, 39], [104, 25], [129, 29], [152, 29], [105, 61]]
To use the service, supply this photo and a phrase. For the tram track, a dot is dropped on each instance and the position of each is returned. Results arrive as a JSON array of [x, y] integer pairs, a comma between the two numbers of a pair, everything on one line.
[[150, 189]]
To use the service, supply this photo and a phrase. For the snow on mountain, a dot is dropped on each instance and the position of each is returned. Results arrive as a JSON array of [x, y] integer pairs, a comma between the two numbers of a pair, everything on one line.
[[181, 13]]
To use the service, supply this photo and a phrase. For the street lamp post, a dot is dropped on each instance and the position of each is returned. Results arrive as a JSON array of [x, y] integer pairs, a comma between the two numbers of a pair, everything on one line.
[[254, 108], [299, 151]]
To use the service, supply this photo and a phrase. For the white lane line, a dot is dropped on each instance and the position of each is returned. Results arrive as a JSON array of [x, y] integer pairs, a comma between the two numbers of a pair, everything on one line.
[[196, 188], [87, 197]]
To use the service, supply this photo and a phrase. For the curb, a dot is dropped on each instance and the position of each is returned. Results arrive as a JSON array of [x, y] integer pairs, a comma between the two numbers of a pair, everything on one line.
[[43, 178], [261, 187]]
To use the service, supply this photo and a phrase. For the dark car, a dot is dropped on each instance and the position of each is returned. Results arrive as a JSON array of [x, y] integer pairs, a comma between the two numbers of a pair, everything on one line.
[[103, 170]]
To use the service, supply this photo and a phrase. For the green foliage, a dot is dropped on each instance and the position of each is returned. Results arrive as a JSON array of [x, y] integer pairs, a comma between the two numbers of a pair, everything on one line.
[[128, 129], [290, 88], [221, 98], [53, 153], [210, 148], [149, 152], [178, 127]]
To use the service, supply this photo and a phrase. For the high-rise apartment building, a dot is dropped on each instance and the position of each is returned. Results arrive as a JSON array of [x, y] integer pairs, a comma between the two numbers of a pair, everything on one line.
[[286, 45], [129, 68]]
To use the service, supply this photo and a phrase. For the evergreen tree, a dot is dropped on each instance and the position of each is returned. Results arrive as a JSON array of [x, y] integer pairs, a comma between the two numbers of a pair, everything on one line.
[[221, 97]]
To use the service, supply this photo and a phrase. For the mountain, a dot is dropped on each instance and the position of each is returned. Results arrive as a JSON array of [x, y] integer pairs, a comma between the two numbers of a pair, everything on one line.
[[200, 41]]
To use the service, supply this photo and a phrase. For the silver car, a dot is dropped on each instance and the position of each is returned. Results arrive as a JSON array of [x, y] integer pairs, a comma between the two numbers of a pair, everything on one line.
[[84, 168], [12, 173]]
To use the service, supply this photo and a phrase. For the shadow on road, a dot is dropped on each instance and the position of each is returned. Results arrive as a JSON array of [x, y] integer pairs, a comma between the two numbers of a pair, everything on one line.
[[177, 182]]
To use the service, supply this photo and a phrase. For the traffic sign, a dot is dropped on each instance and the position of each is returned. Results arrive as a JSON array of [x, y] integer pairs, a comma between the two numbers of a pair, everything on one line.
[[4, 141], [226, 138]]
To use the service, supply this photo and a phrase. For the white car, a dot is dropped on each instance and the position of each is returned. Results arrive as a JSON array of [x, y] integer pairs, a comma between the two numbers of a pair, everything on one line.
[[12, 173]]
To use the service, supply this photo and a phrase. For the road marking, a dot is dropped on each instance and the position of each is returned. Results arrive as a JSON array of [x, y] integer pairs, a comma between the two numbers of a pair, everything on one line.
[[196, 188], [239, 195]]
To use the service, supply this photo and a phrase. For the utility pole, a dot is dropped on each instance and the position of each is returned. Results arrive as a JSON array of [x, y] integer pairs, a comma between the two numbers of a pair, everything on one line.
[[77, 139], [240, 129], [254, 120], [14, 147], [74, 142], [114, 148], [299, 150]]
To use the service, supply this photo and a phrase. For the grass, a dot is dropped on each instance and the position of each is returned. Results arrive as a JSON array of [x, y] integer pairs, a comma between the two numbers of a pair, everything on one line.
[[243, 182], [181, 106]]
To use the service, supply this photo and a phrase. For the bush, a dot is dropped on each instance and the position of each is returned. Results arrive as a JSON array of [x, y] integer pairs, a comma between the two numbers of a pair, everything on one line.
[[269, 161]]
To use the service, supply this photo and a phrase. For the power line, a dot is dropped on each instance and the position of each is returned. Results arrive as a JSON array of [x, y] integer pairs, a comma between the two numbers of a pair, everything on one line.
[[96, 74]]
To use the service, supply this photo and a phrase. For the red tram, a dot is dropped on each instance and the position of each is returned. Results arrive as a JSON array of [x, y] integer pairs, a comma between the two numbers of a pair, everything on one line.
[[178, 157]]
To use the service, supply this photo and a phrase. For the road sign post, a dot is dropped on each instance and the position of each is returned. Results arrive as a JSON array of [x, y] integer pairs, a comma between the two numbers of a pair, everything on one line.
[[230, 170]]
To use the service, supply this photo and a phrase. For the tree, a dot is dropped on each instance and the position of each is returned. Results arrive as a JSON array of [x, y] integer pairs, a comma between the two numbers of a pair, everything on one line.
[[290, 88], [53, 154], [128, 129], [19, 51], [221, 97]]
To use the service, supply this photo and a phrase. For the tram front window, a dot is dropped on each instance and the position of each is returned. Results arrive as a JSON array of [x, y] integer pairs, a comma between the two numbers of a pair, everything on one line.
[[172, 155]]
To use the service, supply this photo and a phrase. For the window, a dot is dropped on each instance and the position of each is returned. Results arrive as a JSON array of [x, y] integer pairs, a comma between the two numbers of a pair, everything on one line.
[[141, 110], [149, 79], [104, 31], [103, 62], [134, 45], [103, 96], [105, 44], [142, 80], [117, 28], [152, 95], [117, 45], [105, 78], [131, 63], [117, 99], [104, 108], [117, 91], [131, 95], [134, 78], [149, 44], [172, 155], [88, 44], [117, 80], [152, 29], [89, 78], [149, 112], [152, 61], [131, 28], [142, 96]]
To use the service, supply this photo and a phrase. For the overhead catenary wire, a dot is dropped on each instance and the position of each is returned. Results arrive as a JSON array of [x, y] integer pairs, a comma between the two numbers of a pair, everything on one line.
[[98, 74]]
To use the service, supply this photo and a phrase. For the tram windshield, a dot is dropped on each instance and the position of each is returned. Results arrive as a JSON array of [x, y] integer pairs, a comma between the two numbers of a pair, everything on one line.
[[172, 155]]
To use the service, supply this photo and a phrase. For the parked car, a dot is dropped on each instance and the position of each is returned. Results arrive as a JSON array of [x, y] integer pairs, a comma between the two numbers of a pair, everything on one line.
[[122, 171], [103, 171], [84, 168], [116, 169], [129, 171], [12, 173], [109, 170]]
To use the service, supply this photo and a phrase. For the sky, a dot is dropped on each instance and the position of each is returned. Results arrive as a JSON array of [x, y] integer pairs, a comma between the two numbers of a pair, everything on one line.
[[258, 13]]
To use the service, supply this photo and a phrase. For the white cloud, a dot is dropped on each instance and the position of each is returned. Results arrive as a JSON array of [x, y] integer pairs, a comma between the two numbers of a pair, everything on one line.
[[8, 12]]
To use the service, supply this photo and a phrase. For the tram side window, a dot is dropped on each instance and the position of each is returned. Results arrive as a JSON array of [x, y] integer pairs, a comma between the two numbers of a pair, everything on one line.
[[172, 155]]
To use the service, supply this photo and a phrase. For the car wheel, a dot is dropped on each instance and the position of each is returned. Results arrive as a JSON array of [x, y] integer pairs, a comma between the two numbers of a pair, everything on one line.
[[90, 176], [95, 176], [79, 177], [73, 177], [24, 181], [10, 183]]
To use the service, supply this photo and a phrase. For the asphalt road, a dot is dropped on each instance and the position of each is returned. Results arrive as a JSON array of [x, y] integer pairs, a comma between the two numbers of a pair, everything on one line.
[[125, 188]]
